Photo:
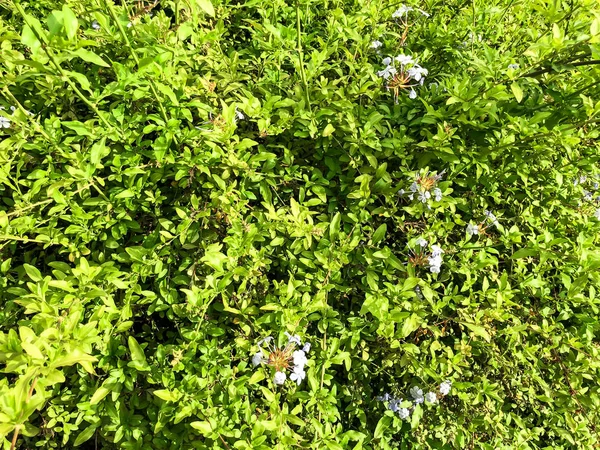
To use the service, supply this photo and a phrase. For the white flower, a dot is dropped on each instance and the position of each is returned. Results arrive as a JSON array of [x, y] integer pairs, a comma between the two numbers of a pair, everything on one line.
[[263, 340], [513, 66], [587, 195], [13, 108], [430, 397], [412, 94], [416, 394], [129, 24], [435, 263], [404, 59], [424, 196], [403, 413], [4, 122], [401, 11], [426, 14], [293, 338], [257, 359], [239, 115], [411, 196], [387, 73], [414, 187], [582, 179], [492, 218], [401, 192], [436, 251], [417, 73], [306, 347], [597, 214], [376, 44], [95, 25], [298, 375], [445, 387], [386, 61], [437, 192], [383, 398], [596, 185], [472, 229], [421, 242], [279, 378], [299, 358]]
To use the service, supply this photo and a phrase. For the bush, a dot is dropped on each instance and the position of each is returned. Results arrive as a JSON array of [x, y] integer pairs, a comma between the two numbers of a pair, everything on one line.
[[182, 179]]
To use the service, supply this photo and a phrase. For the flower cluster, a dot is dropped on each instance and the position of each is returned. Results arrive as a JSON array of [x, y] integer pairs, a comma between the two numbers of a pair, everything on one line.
[[420, 257], [403, 10], [401, 73], [425, 188], [405, 407], [589, 187], [477, 229], [283, 359]]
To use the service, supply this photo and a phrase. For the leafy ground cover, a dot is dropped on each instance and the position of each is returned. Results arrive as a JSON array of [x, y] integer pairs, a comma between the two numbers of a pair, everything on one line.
[[324, 224]]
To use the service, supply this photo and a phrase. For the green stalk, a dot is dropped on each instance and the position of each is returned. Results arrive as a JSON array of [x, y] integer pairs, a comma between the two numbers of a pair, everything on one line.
[[301, 56], [110, 8]]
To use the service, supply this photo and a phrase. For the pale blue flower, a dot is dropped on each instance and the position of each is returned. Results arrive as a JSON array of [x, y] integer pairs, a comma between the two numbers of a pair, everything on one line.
[[376, 44], [293, 338], [421, 242], [388, 72], [404, 59], [279, 378], [299, 358], [257, 359], [437, 192], [4, 122], [412, 94], [95, 25], [472, 229], [306, 347], [513, 66], [430, 397], [445, 387], [417, 394], [298, 375], [403, 10], [403, 413]]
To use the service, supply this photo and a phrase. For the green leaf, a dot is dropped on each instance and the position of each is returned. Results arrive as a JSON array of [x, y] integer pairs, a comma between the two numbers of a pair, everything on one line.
[[329, 129], [410, 325], [478, 330], [33, 272], [379, 234], [166, 395], [70, 22], [138, 359], [334, 226], [85, 435], [100, 393], [202, 426], [524, 253], [207, 7], [517, 91], [29, 39], [90, 57]]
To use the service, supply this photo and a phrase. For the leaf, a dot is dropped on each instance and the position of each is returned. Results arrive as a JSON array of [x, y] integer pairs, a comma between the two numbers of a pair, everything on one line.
[[478, 330], [70, 22], [168, 92], [524, 253], [32, 350], [85, 435], [382, 425], [100, 393], [329, 129], [517, 91], [379, 234], [29, 39], [97, 152], [137, 355], [334, 226], [410, 325], [166, 395], [207, 7], [91, 57], [33, 272], [202, 426]]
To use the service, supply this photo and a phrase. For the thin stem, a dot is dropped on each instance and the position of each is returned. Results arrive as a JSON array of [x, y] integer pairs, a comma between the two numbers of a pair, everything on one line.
[[301, 56], [551, 69], [110, 8]]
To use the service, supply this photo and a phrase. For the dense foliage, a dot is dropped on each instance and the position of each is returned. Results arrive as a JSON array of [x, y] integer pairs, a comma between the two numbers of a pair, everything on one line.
[[181, 179]]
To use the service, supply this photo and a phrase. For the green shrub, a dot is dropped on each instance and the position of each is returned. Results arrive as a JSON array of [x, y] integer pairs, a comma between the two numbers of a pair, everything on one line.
[[182, 179]]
